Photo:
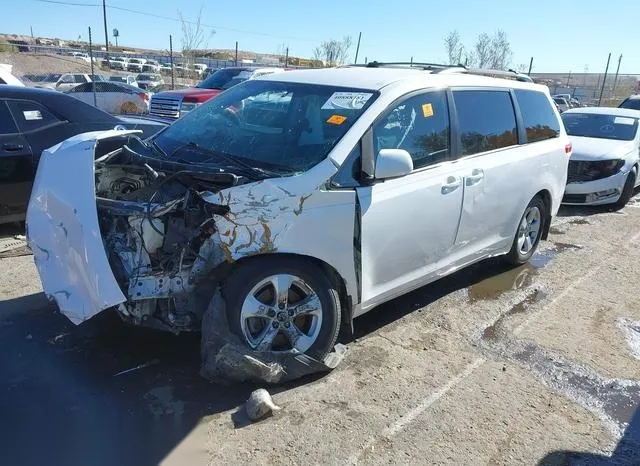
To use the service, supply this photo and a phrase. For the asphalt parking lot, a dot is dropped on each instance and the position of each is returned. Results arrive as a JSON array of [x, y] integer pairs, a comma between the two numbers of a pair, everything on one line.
[[537, 364]]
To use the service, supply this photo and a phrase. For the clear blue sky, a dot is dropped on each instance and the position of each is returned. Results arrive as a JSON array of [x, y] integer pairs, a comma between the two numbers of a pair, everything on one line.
[[561, 35]]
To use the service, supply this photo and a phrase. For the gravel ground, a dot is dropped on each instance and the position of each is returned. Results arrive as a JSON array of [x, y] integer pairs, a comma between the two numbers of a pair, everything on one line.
[[537, 364]]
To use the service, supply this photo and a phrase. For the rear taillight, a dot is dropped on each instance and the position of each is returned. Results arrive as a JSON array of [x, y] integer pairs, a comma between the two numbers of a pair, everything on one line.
[[567, 148]]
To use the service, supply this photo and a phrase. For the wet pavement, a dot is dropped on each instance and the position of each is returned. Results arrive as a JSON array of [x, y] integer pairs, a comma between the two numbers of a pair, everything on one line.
[[107, 393]]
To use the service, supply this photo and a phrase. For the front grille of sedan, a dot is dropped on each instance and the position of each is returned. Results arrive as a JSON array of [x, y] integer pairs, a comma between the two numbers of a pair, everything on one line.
[[581, 171], [165, 107]]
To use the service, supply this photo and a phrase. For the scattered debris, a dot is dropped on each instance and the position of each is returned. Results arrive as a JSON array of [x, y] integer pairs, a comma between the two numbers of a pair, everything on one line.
[[631, 332], [58, 338], [29, 337], [260, 404], [141, 366], [226, 358]]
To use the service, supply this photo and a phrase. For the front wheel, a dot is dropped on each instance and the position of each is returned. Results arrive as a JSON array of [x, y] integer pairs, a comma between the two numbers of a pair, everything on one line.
[[283, 304], [627, 191], [528, 233]]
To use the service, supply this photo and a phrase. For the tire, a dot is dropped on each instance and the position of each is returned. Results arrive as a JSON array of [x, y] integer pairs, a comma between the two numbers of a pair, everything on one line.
[[627, 190], [304, 280], [521, 249]]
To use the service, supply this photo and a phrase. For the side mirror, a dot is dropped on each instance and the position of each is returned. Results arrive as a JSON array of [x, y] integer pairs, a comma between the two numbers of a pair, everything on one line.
[[393, 163]]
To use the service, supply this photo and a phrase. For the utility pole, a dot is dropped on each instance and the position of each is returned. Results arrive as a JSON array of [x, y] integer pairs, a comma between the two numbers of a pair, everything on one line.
[[106, 36], [615, 80], [358, 47], [171, 61], [530, 66], [93, 77], [604, 79], [411, 62], [568, 78], [236, 53], [286, 58]]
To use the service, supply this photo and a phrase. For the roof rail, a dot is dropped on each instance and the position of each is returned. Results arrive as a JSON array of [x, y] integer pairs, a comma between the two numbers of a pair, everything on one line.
[[509, 74], [401, 64]]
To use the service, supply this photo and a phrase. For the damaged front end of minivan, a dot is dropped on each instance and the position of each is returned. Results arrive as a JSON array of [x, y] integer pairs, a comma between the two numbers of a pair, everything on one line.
[[109, 230]]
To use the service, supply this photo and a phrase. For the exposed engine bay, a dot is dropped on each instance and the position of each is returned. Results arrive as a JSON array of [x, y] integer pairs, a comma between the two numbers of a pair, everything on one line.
[[158, 233]]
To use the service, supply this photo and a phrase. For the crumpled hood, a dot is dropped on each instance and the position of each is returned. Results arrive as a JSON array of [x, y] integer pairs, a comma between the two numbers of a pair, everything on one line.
[[591, 149]]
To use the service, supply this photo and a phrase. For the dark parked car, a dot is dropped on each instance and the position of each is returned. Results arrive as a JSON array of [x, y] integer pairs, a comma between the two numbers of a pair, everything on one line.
[[32, 120], [632, 102]]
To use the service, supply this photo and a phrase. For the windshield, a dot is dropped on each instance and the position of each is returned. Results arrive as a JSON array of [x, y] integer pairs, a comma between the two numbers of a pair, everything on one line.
[[221, 79], [148, 77], [600, 126], [118, 79], [560, 101], [278, 126], [52, 78], [633, 104]]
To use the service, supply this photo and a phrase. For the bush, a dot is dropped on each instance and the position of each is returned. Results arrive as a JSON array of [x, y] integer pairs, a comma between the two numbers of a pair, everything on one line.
[[7, 47]]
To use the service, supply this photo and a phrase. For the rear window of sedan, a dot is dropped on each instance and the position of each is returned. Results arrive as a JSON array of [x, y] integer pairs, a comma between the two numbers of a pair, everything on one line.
[[592, 125]]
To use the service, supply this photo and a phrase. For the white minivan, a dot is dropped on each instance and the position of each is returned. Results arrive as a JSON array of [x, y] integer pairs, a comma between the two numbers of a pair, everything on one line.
[[303, 198]]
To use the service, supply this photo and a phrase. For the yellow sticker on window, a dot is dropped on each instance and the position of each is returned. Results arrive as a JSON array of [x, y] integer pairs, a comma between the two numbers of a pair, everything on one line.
[[336, 119], [427, 110]]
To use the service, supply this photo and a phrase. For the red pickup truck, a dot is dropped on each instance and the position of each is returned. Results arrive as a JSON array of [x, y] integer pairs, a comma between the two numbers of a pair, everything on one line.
[[174, 104]]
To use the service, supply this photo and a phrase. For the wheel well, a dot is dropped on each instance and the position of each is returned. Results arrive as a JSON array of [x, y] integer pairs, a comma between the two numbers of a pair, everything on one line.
[[346, 301], [546, 198]]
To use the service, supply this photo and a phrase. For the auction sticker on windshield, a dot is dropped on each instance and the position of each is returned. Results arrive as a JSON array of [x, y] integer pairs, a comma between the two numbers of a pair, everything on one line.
[[347, 101], [30, 115], [624, 121]]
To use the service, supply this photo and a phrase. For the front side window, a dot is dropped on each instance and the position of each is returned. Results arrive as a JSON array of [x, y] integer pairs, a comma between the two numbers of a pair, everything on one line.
[[540, 121], [594, 125], [31, 116], [486, 120], [419, 125], [280, 126], [225, 78]]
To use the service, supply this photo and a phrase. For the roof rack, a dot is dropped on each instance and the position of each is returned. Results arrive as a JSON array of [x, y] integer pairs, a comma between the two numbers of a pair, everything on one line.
[[441, 68], [402, 64]]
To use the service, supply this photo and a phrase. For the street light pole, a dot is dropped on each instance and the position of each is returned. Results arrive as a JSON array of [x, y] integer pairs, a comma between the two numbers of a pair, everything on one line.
[[106, 36]]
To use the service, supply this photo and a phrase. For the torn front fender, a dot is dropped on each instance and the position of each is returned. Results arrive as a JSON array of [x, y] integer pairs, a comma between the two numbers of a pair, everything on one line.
[[63, 230]]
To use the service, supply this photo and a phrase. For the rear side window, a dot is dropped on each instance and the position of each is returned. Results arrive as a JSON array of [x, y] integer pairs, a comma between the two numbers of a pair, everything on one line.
[[540, 121], [86, 87], [486, 120], [7, 125], [30, 115]]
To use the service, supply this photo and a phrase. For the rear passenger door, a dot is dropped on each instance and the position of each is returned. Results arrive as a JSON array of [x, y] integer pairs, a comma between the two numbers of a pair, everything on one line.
[[494, 167]]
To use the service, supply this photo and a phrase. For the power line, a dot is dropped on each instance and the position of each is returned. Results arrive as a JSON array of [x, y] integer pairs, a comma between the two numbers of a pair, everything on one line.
[[168, 18]]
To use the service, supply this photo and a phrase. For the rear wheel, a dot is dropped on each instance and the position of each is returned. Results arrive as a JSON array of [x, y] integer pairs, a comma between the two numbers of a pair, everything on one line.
[[283, 305], [627, 190], [529, 232]]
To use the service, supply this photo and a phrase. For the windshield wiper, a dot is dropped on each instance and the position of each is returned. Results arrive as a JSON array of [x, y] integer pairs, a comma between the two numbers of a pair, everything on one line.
[[254, 172]]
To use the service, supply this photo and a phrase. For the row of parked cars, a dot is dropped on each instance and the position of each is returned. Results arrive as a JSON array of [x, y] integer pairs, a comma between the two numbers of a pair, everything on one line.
[[144, 65], [300, 196]]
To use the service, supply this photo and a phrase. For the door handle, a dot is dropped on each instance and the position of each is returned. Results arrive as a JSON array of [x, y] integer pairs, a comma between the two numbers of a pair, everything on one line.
[[451, 184], [477, 175], [12, 147]]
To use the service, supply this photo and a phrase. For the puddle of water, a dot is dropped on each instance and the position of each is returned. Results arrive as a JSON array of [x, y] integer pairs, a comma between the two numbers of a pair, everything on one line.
[[516, 278]]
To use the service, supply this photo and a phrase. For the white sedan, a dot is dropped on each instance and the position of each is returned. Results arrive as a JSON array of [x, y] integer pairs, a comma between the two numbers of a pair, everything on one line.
[[603, 168], [112, 97]]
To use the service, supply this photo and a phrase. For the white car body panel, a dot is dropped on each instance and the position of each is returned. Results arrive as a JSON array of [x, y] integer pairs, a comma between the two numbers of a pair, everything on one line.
[[63, 230]]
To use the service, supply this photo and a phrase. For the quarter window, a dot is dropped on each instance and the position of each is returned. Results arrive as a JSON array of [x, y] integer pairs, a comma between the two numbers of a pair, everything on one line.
[[539, 119], [419, 125], [31, 116], [486, 120]]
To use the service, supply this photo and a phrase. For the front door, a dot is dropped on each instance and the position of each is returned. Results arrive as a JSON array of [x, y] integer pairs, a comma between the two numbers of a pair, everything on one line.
[[16, 169], [409, 224]]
